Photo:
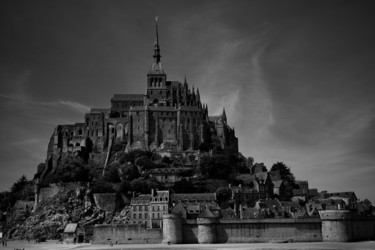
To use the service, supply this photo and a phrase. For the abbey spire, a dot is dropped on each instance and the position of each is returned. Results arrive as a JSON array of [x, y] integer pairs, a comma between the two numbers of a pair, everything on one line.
[[156, 67], [157, 55]]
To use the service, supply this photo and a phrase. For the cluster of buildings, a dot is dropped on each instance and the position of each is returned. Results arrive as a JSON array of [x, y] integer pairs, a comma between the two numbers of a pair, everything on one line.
[[148, 209]]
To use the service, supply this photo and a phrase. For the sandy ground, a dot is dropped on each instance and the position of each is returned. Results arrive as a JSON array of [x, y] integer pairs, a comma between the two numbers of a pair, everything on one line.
[[54, 245]]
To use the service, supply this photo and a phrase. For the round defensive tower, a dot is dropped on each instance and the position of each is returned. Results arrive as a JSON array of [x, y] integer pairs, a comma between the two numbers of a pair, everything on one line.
[[172, 229], [336, 225], [206, 230]]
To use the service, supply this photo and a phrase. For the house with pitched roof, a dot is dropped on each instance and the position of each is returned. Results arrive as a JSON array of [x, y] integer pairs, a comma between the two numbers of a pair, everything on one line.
[[349, 198]]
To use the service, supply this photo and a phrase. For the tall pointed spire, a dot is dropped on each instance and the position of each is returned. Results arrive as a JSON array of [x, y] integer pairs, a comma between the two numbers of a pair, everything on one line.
[[224, 115], [156, 44]]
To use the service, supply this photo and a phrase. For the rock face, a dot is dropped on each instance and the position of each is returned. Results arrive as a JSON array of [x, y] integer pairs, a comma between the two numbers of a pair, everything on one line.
[[70, 205]]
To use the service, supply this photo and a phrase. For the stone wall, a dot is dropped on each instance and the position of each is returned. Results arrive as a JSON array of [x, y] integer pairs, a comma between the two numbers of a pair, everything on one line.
[[106, 201], [334, 226], [268, 230], [342, 225], [126, 234], [189, 231], [48, 192], [54, 189], [248, 231]]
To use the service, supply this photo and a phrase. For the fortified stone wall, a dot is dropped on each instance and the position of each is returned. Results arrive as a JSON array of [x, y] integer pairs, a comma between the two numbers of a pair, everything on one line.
[[126, 234], [244, 231], [189, 231], [248, 231], [344, 226], [334, 226]]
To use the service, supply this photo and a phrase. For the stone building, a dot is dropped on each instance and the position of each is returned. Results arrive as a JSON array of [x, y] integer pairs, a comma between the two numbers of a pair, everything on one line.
[[139, 209], [169, 114], [149, 209]]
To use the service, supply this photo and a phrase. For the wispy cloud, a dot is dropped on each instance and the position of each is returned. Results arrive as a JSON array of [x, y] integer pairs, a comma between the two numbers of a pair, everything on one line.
[[26, 142], [76, 106], [22, 100]]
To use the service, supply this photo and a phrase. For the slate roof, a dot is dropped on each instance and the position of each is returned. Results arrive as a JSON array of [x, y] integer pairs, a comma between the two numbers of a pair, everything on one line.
[[228, 213], [127, 97], [339, 194], [206, 214], [169, 170], [194, 197], [143, 198], [71, 228], [274, 205]]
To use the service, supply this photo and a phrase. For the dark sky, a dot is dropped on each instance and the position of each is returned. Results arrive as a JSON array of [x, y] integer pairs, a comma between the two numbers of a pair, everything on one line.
[[297, 78]]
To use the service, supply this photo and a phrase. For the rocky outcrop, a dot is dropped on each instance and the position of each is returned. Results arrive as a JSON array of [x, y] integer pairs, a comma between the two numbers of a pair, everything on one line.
[[70, 205]]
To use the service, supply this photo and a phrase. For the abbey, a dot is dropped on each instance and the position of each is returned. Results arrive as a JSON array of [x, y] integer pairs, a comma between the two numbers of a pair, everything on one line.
[[169, 115]]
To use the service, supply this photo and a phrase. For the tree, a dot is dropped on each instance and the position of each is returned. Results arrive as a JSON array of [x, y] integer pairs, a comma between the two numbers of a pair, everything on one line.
[[111, 173], [19, 185], [183, 186], [216, 167], [73, 169], [129, 172], [223, 194], [285, 173], [101, 186]]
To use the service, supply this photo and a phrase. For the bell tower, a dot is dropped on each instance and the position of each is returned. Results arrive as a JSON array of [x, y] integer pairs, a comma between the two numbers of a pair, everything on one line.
[[156, 78]]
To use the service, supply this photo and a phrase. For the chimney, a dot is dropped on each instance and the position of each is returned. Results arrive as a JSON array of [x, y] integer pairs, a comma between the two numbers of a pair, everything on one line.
[[152, 192]]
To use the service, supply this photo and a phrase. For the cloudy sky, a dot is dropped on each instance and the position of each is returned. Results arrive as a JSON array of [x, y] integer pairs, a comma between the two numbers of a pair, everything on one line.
[[297, 78]]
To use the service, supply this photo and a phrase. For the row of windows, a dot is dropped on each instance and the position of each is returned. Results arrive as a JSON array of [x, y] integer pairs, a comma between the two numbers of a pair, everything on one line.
[[157, 208], [145, 216], [140, 208]]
